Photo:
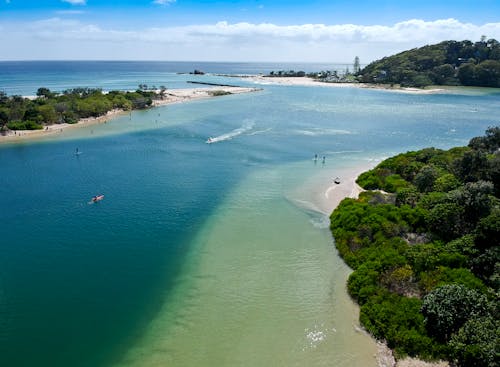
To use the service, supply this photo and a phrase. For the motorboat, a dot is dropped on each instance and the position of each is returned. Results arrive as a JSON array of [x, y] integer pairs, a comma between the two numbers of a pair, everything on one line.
[[337, 180]]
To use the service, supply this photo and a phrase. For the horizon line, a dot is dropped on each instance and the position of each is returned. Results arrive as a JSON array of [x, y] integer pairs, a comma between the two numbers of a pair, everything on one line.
[[181, 61]]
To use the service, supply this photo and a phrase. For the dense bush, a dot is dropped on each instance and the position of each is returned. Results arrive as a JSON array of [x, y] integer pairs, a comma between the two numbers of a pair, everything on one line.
[[477, 343], [24, 125], [445, 63], [17, 113], [425, 250], [447, 308]]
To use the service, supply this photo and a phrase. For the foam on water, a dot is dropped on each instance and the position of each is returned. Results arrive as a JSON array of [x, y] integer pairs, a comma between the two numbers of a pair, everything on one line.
[[322, 131], [247, 125]]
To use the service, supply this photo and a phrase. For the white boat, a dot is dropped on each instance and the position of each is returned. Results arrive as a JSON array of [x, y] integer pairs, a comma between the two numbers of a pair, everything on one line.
[[210, 140], [97, 198], [336, 180]]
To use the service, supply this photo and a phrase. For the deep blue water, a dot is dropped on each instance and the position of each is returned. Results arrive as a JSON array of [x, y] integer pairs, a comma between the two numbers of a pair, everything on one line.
[[24, 78], [79, 282]]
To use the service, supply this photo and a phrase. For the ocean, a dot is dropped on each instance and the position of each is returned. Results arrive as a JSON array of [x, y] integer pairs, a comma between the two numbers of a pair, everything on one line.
[[200, 254], [25, 77]]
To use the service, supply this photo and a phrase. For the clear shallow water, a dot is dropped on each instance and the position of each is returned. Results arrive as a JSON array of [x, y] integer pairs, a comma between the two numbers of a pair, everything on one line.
[[198, 253], [256, 293]]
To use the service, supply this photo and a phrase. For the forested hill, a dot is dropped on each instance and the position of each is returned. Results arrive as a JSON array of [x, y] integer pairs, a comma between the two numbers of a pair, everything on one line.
[[446, 63], [424, 246]]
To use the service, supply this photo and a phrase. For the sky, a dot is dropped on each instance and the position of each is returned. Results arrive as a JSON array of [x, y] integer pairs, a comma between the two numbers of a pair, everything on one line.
[[236, 30]]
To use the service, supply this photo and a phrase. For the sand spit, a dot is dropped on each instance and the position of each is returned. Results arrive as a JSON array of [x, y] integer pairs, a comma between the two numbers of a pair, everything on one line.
[[170, 97], [305, 81]]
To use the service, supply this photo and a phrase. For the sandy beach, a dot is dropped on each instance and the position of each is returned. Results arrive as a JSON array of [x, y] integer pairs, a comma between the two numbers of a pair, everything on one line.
[[170, 97], [305, 81], [321, 194]]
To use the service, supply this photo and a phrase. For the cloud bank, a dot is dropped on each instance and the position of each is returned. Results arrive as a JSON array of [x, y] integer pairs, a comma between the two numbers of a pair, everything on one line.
[[71, 39]]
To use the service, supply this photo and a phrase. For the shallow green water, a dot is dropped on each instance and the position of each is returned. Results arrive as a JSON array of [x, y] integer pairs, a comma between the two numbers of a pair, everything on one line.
[[200, 254], [263, 286]]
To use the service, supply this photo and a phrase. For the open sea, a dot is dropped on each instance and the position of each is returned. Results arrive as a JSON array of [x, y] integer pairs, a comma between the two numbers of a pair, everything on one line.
[[200, 254]]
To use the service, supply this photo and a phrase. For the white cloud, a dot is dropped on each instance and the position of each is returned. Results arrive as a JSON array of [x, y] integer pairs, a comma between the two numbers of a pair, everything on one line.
[[239, 41], [163, 2], [76, 2]]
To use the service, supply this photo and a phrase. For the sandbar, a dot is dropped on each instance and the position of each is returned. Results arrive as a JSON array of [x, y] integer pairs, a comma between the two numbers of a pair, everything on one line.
[[306, 81]]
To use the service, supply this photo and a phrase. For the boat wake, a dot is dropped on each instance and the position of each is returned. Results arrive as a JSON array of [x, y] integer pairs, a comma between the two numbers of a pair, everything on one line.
[[321, 131], [260, 131], [248, 125]]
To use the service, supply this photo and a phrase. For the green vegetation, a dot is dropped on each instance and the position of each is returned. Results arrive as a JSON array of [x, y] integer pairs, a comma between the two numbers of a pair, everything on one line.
[[218, 93], [446, 63], [287, 73], [425, 251], [18, 113]]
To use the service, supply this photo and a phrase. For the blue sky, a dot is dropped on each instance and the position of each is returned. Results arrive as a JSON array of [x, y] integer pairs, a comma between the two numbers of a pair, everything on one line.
[[236, 30]]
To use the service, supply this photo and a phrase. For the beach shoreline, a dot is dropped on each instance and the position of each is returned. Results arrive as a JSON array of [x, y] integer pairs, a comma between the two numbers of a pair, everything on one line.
[[306, 81], [172, 96], [327, 198], [322, 195]]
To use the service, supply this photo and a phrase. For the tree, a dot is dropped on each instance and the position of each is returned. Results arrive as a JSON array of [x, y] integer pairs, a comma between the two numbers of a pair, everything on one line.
[[477, 343], [442, 73], [163, 89], [471, 166], [407, 196], [489, 143], [466, 74], [3, 97], [474, 198], [356, 66], [447, 308], [446, 183], [44, 92], [426, 177], [4, 119], [487, 74], [47, 114]]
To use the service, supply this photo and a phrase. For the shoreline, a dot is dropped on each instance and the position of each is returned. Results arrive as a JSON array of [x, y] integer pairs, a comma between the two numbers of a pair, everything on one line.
[[172, 96], [327, 198], [306, 82]]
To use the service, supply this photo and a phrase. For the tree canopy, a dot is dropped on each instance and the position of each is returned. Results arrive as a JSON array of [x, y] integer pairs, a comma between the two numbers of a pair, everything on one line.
[[445, 63], [425, 251], [18, 113]]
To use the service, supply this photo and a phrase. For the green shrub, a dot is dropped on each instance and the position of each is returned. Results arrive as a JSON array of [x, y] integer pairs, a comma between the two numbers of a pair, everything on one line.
[[24, 125]]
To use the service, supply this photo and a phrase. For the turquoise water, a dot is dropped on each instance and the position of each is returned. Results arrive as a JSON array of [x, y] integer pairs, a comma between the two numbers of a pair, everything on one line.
[[25, 77], [200, 254]]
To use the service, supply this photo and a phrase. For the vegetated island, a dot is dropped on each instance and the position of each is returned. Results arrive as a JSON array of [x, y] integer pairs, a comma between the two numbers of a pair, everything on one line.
[[51, 112], [423, 242]]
